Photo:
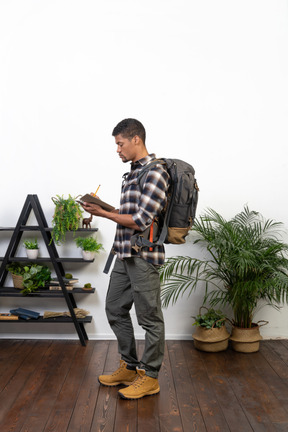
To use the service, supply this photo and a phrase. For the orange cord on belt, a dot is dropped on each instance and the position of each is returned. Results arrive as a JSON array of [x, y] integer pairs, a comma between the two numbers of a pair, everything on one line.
[[151, 235]]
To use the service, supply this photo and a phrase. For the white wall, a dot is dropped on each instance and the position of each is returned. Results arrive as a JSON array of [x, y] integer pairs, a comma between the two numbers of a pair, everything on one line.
[[207, 79]]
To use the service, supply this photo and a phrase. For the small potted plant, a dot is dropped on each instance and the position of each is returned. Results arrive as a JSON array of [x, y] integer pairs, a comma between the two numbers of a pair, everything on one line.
[[17, 272], [89, 246], [32, 248], [67, 215], [32, 276], [35, 276], [211, 334]]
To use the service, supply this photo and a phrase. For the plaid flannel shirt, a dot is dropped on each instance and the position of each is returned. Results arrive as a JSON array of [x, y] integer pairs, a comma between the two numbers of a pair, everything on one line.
[[144, 205]]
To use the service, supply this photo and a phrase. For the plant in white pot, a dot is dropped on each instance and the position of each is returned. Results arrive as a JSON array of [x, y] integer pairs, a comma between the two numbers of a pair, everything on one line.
[[32, 248], [89, 246], [245, 267]]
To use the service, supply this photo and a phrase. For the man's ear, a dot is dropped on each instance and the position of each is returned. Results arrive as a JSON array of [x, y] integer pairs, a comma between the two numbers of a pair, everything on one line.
[[137, 140]]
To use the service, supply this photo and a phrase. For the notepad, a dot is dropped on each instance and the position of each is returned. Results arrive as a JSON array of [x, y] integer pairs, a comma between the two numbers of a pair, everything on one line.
[[91, 199]]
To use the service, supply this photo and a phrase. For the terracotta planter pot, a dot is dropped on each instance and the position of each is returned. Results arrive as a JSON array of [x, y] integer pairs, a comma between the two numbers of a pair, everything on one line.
[[211, 340]]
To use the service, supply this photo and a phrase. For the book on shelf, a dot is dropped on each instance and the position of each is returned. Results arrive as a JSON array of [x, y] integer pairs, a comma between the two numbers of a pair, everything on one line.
[[59, 288], [7, 316], [25, 314]]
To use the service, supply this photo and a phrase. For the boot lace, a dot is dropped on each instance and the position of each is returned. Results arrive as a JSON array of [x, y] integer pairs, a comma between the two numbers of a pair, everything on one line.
[[138, 381], [121, 367]]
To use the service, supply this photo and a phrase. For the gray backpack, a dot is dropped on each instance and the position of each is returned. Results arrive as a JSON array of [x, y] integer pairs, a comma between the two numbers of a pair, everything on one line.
[[178, 217]]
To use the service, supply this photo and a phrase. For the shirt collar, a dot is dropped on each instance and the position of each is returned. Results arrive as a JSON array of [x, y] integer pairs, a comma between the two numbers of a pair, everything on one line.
[[144, 161]]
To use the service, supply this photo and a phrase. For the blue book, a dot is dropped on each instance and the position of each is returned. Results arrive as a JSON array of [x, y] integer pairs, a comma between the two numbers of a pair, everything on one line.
[[25, 313]]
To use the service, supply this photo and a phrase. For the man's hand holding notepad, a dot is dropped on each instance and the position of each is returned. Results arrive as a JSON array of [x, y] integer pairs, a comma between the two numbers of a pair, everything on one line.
[[94, 200]]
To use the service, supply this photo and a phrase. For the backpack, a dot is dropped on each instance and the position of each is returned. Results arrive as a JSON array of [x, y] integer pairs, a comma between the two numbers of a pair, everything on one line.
[[178, 217]]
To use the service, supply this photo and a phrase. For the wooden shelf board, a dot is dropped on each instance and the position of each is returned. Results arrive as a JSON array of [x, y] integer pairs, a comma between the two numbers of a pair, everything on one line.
[[14, 292], [48, 229], [48, 259], [87, 319]]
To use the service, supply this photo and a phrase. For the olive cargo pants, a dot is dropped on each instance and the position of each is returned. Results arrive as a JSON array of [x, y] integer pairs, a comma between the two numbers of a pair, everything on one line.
[[133, 280]]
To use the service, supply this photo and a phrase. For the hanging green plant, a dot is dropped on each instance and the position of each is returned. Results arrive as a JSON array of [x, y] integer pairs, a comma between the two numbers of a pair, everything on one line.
[[66, 217]]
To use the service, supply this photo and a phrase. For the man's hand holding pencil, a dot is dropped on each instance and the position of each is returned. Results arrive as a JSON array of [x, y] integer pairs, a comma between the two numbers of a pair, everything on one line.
[[95, 194], [94, 205]]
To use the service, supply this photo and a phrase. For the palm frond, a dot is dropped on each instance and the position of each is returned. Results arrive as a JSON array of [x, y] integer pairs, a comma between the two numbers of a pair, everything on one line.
[[246, 263]]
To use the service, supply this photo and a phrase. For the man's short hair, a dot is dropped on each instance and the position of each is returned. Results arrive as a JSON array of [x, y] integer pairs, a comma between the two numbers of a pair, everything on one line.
[[128, 128]]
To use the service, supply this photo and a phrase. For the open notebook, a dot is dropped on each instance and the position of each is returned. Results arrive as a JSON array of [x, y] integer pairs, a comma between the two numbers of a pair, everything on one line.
[[90, 199]]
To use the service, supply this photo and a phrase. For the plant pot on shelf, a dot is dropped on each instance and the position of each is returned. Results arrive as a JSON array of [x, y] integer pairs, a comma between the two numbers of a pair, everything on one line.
[[32, 253], [246, 340], [89, 247], [88, 255], [32, 248], [211, 340], [29, 277], [17, 281]]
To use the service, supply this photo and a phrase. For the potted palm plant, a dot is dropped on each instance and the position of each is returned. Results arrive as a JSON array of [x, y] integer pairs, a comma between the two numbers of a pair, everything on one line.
[[67, 215], [245, 267], [89, 246]]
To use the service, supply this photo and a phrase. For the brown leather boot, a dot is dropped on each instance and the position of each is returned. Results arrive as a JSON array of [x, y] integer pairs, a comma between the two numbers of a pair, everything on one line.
[[121, 376], [142, 386]]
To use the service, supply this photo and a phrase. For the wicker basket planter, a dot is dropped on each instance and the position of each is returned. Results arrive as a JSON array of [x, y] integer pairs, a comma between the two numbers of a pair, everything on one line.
[[211, 340], [17, 281], [246, 340]]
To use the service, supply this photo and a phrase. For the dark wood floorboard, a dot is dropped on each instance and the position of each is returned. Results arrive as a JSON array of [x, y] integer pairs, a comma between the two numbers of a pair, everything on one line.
[[52, 386]]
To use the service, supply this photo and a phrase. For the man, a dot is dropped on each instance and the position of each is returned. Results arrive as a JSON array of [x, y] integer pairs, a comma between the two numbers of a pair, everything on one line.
[[135, 277]]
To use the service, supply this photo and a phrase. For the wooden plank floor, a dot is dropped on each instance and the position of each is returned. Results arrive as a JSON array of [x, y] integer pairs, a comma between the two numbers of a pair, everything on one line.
[[51, 386]]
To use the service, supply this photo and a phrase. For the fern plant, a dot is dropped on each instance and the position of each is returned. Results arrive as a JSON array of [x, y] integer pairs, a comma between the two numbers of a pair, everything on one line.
[[88, 244], [246, 264], [66, 217]]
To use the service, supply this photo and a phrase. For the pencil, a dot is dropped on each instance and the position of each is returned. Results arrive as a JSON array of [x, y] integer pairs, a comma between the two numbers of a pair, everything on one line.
[[96, 191]]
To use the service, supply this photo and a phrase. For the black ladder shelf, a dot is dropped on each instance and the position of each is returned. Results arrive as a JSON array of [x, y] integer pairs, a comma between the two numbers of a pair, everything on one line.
[[32, 203]]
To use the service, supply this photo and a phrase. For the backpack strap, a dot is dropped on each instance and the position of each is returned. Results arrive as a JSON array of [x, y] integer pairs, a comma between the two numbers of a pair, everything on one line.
[[138, 240], [109, 261]]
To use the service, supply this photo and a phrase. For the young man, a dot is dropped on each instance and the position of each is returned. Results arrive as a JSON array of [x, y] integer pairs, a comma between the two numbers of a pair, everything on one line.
[[134, 278]]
